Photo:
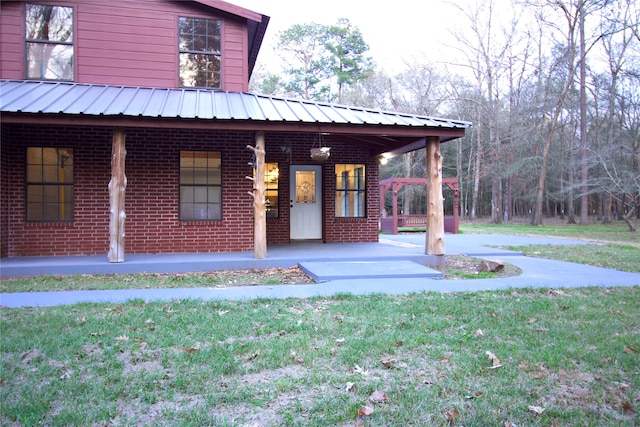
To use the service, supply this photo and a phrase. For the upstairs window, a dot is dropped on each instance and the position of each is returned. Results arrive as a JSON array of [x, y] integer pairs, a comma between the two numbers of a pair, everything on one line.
[[49, 184], [49, 42], [200, 52], [200, 185], [350, 190]]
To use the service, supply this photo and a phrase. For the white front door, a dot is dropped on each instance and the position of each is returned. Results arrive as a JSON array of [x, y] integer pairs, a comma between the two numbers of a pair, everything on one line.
[[306, 202]]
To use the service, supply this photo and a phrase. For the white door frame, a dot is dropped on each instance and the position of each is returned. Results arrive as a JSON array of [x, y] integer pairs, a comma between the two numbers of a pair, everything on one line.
[[305, 213]]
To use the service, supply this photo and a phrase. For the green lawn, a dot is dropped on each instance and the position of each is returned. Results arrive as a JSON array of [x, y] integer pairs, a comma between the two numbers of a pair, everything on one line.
[[619, 248], [616, 233], [525, 358]]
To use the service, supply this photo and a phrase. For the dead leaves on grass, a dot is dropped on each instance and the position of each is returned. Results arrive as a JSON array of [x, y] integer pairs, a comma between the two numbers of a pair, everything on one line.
[[538, 410], [495, 362], [33, 355], [378, 397], [388, 362]]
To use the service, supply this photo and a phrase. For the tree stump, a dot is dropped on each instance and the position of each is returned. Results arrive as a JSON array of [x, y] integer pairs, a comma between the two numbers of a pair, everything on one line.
[[490, 266]]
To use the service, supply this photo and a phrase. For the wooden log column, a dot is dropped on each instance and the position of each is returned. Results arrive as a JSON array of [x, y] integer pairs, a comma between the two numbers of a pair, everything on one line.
[[117, 189], [259, 202], [435, 207]]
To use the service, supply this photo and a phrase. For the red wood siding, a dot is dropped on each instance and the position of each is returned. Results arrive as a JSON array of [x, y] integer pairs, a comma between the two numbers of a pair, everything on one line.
[[129, 42], [152, 166], [11, 40]]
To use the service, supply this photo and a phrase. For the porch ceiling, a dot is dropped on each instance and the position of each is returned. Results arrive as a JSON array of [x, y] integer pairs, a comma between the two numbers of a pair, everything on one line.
[[102, 105]]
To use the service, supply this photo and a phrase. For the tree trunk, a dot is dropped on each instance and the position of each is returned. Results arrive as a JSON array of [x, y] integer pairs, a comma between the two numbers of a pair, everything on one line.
[[584, 185], [627, 219], [117, 189], [435, 208], [476, 172]]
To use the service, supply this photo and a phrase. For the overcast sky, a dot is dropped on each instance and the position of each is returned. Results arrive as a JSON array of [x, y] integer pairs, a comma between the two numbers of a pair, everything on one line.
[[395, 31]]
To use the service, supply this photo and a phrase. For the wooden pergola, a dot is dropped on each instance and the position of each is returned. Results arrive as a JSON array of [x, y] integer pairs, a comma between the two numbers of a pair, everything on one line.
[[390, 224]]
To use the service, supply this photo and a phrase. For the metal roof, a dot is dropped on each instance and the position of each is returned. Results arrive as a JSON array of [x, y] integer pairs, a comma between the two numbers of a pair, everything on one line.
[[63, 99]]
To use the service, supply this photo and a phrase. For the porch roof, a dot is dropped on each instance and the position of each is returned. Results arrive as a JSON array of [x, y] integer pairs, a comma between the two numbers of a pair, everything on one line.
[[41, 102]]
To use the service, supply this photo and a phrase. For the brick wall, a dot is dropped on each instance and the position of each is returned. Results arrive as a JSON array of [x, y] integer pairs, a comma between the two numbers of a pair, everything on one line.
[[152, 167], [287, 149], [4, 197]]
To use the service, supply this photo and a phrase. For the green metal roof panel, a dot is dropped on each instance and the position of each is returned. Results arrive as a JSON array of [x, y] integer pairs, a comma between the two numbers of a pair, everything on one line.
[[38, 97]]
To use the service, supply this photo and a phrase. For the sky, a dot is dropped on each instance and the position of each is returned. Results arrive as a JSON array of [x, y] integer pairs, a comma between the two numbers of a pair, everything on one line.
[[395, 31]]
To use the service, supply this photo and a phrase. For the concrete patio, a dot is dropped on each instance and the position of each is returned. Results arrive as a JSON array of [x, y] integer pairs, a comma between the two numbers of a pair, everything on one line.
[[347, 268]]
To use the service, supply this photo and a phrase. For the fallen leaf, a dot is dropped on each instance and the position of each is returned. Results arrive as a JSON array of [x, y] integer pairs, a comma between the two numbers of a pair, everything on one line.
[[452, 415], [627, 407], [388, 362], [190, 350], [297, 360], [495, 362], [492, 314], [378, 397], [537, 409], [252, 357], [66, 373], [365, 411], [629, 349], [474, 395], [479, 333], [445, 358], [358, 370], [30, 355], [532, 320], [122, 338]]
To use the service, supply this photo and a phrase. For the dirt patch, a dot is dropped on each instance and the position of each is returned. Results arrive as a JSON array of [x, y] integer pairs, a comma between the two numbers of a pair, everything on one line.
[[144, 361], [149, 414]]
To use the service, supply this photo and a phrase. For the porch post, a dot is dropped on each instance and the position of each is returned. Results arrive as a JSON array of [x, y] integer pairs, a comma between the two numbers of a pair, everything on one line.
[[259, 205], [395, 208], [435, 208], [117, 187]]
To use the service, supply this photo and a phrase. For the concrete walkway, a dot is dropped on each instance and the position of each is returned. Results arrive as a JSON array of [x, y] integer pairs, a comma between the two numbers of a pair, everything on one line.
[[536, 272]]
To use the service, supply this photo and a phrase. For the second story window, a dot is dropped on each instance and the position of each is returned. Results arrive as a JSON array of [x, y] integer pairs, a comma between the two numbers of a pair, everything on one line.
[[49, 42], [200, 52]]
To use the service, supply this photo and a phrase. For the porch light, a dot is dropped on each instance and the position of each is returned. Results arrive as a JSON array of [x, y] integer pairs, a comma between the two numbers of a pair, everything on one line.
[[319, 152]]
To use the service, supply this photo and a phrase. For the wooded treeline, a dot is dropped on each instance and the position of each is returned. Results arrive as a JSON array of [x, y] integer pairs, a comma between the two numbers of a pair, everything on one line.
[[552, 88]]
